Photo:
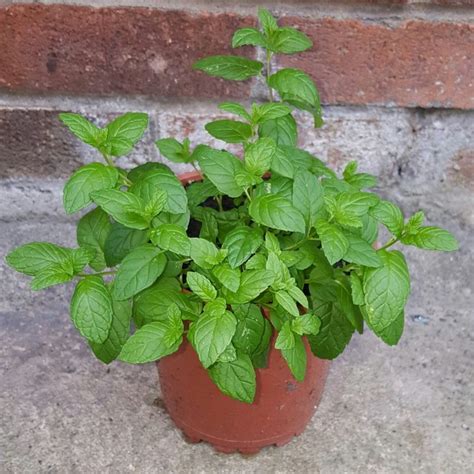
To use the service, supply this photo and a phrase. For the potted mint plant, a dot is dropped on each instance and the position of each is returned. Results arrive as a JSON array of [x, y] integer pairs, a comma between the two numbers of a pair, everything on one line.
[[244, 278]]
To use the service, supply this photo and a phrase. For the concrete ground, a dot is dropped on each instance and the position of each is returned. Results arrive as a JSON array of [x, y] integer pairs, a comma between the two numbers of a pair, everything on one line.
[[403, 409]]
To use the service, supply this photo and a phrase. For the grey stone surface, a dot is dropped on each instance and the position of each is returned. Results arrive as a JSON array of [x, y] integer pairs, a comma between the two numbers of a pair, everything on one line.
[[385, 410]]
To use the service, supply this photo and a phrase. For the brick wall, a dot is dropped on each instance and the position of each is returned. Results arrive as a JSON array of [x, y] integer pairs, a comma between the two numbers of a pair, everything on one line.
[[396, 78]]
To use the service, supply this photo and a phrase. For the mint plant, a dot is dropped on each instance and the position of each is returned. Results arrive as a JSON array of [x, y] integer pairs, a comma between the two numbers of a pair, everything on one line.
[[273, 230]]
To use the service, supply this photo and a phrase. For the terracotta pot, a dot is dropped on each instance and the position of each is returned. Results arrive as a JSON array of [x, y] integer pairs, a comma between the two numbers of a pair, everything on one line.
[[282, 407]]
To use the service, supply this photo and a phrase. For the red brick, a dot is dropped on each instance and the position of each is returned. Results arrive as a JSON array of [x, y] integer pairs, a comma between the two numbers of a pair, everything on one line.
[[82, 50], [418, 63]]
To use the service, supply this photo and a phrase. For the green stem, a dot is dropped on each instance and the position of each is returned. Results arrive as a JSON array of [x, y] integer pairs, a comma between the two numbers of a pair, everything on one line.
[[219, 203], [269, 72], [296, 245], [392, 241], [247, 194]]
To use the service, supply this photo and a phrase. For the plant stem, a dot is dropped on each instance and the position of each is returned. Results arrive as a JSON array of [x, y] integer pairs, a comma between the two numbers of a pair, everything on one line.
[[247, 194], [219, 203], [296, 245], [392, 241], [269, 72]]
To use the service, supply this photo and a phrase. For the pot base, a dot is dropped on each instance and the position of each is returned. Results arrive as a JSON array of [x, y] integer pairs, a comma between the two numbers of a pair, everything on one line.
[[281, 410]]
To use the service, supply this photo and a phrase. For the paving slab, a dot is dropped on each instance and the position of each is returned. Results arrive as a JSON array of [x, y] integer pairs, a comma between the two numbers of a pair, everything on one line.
[[385, 410]]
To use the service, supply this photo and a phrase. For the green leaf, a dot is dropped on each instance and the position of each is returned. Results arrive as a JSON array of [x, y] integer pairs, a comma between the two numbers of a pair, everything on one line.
[[151, 342], [345, 303], [50, 277], [241, 243], [297, 88], [282, 130], [414, 223], [250, 328], [289, 41], [269, 111], [306, 324], [235, 108], [252, 283], [212, 334], [173, 150], [258, 156], [91, 309], [432, 238], [229, 131], [229, 355], [160, 180], [247, 37], [205, 253], [200, 191], [308, 196], [287, 302], [267, 21], [335, 332], [120, 241], [84, 181], [235, 378], [359, 251], [138, 270], [386, 290], [82, 128], [297, 295], [173, 238], [260, 355], [357, 291], [228, 276], [276, 212], [201, 286], [234, 68], [36, 257], [296, 359], [333, 241], [118, 334], [124, 132], [389, 215], [92, 231], [286, 337], [124, 207], [221, 167]]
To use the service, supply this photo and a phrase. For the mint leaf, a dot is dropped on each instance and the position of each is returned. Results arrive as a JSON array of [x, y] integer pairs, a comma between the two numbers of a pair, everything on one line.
[[282, 130], [414, 223], [118, 334], [159, 180], [82, 128], [269, 111], [228, 276], [241, 243], [276, 212], [252, 283], [171, 237], [234, 68], [306, 324], [390, 334], [229, 131], [335, 332], [92, 232], [308, 196], [267, 21], [91, 309], [287, 302], [138, 270], [151, 342], [120, 241], [124, 132], [296, 359], [359, 251], [49, 277], [201, 286], [333, 241], [247, 37], [386, 290], [389, 215], [221, 167], [289, 41], [124, 207], [250, 328], [36, 257], [258, 156], [84, 181], [345, 303], [297, 88], [212, 334], [173, 150], [356, 290], [236, 109], [205, 253], [285, 338], [432, 238], [235, 378]]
